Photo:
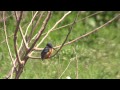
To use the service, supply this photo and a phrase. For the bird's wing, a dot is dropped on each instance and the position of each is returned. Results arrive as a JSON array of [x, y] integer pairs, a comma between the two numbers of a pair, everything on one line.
[[44, 52]]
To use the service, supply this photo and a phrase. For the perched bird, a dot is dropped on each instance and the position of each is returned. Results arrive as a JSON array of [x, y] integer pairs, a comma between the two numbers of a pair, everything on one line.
[[47, 51]]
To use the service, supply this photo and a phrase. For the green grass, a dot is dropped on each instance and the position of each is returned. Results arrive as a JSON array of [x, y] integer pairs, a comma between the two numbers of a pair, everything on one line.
[[98, 55]]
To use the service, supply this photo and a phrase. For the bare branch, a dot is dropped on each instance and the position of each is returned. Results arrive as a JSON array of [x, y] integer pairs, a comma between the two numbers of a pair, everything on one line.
[[89, 33], [66, 68], [76, 21], [31, 22], [23, 37], [33, 29], [15, 37], [93, 31], [37, 49], [67, 34], [8, 44], [6, 37], [40, 31], [54, 27], [76, 63]]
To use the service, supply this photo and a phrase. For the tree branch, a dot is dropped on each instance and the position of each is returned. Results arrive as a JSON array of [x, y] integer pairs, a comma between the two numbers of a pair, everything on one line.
[[53, 27], [15, 37], [34, 27], [40, 32], [67, 34]]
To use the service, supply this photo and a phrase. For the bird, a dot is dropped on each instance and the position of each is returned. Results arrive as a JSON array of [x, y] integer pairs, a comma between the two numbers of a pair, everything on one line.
[[47, 51]]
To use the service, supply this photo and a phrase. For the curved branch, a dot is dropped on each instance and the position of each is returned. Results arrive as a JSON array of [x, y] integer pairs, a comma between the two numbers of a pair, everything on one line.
[[40, 32], [15, 37], [67, 34], [87, 34], [53, 27]]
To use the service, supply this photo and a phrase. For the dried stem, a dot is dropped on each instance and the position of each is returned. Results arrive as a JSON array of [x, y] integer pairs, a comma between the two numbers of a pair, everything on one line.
[[40, 31], [53, 27], [11, 74], [65, 68], [21, 32], [7, 38], [80, 37], [76, 63], [67, 34], [34, 27], [51, 30], [15, 37]]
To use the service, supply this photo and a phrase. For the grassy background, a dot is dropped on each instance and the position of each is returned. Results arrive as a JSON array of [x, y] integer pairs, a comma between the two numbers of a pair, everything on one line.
[[98, 55]]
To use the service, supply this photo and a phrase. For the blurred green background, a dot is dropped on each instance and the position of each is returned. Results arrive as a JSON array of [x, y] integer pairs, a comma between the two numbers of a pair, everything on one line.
[[98, 55]]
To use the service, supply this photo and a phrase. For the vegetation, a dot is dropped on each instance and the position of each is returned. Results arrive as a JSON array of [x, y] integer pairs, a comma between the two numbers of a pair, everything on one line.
[[97, 55]]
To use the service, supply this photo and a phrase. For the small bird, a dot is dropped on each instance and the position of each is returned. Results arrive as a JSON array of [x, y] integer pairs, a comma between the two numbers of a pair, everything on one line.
[[47, 51]]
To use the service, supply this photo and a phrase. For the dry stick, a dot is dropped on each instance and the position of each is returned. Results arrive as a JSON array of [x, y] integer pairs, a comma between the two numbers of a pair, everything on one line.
[[14, 68], [15, 38], [40, 31], [65, 69], [38, 21], [76, 63], [12, 34], [21, 46], [61, 27], [67, 34], [77, 21], [71, 23], [7, 43], [38, 36], [68, 25], [27, 29], [87, 34], [51, 29], [23, 38], [65, 38], [31, 22]]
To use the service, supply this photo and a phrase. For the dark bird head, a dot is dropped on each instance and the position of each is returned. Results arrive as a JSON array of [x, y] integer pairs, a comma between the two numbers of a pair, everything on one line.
[[49, 45]]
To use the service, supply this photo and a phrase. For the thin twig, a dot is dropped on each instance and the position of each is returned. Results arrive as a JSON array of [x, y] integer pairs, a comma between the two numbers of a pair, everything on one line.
[[76, 59], [15, 37], [37, 49], [40, 31], [31, 22], [67, 35], [76, 21], [89, 33], [62, 26], [23, 38], [51, 30], [53, 27], [21, 32], [6, 37], [28, 28], [7, 41], [34, 27], [71, 23], [80, 37], [65, 68]]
